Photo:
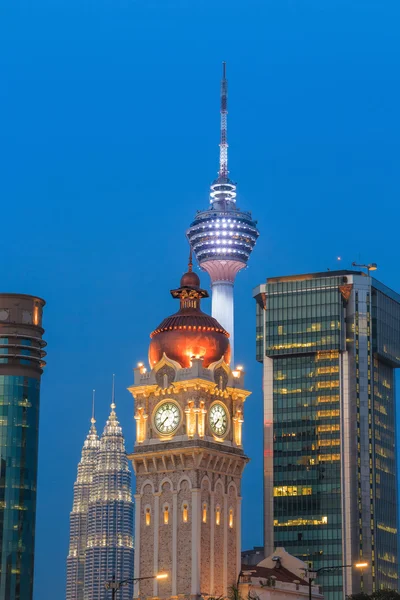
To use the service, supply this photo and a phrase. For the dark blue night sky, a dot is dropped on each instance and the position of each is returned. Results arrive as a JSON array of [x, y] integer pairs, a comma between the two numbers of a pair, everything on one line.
[[109, 140]]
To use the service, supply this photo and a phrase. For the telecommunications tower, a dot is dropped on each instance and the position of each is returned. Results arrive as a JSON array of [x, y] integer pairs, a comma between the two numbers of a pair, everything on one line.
[[223, 236]]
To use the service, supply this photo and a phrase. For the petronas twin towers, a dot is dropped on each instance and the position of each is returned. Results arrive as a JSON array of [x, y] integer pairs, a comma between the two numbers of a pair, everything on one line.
[[101, 521]]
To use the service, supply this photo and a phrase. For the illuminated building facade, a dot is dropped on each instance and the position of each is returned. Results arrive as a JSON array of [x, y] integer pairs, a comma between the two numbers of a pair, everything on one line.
[[188, 456], [79, 515], [109, 552], [101, 526], [223, 236], [21, 367], [330, 343]]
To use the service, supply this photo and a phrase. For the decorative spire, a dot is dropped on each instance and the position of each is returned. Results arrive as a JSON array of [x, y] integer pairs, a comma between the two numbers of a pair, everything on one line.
[[92, 439], [223, 146], [113, 395], [93, 420]]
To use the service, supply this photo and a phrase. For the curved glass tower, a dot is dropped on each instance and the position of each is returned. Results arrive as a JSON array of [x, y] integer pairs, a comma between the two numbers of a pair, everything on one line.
[[223, 236], [21, 367], [109, 553]]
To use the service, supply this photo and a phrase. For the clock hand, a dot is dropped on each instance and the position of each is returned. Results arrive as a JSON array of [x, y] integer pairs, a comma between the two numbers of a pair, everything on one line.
[[167, 417]]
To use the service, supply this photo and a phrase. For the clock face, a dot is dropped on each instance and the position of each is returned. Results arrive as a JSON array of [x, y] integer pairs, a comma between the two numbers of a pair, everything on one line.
[[167, 417], [218, 418]]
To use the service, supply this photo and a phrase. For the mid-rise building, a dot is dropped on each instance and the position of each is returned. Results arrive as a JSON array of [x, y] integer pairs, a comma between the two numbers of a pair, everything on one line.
[[101, 522], [330, 344], [21, 367], [223, 236], [188, 456]]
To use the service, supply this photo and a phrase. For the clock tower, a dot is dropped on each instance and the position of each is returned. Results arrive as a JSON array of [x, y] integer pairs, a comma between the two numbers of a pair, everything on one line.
[[188, 456]]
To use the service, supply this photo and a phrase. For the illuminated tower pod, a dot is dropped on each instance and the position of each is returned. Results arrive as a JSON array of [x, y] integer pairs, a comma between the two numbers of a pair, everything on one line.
[[21, 367], [223, 236]]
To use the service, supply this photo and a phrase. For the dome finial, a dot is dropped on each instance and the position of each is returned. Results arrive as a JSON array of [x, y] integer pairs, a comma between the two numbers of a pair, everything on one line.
[[190, 265]]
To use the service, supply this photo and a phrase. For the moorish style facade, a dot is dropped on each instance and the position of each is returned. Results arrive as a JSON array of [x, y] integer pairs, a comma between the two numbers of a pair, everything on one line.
[[188, 457]]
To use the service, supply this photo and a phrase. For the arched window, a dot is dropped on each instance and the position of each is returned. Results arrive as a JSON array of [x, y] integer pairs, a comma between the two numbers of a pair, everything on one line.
[[204, 511], [185, 512], [231, 518], [148, 515], [218, 515], [166, 514]]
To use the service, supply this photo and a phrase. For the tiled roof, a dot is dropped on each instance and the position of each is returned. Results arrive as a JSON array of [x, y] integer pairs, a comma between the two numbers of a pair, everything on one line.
[[280, 573]]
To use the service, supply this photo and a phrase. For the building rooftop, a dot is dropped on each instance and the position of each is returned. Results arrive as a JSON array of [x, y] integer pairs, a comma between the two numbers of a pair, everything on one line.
[[279, 573], [384, 289], [305, 276]]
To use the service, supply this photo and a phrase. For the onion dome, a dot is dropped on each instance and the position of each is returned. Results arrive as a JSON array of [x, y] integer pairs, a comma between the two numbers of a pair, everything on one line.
[[189, 333]]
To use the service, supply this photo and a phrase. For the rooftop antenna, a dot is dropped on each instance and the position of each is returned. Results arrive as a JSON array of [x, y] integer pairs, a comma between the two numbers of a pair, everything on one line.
[[223, 146]]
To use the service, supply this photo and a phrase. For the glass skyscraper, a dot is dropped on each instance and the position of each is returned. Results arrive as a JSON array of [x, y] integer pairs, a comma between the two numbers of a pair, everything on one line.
[[101, 524], [329, 343], [21, 367]]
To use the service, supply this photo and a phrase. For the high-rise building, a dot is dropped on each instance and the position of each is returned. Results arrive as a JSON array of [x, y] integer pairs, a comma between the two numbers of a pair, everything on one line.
[[101, 526], [21, 367], [330, 344], [223, 236], [109, 552], [79, 515], [188, 456]]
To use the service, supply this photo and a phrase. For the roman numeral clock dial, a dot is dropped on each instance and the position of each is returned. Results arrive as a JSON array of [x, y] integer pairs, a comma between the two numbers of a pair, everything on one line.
[[167, 418], [218, 419]]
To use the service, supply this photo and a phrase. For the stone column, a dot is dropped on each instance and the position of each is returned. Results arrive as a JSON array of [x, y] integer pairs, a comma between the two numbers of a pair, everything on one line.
[[212, 542], [196, 541], [226, 525], [156, 538], [138, 509], [238, 525], [174, 540]]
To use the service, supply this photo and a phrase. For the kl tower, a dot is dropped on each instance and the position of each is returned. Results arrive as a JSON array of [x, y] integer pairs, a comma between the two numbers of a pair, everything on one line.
[[223, 236]]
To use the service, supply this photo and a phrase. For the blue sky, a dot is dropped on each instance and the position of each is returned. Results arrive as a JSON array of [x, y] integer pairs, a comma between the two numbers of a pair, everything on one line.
[[109, 141]]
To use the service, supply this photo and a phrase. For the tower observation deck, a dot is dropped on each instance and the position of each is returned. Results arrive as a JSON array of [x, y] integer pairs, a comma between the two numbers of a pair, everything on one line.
[[223, 236]]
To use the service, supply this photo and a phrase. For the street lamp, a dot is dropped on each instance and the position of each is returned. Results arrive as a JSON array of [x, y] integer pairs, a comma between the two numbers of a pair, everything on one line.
[[358, 565], [370, 267], [114, 586]]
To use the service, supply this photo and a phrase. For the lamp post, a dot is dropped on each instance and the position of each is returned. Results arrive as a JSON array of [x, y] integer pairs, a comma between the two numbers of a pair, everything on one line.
[[315, 573], [370, 267], [114, 586]]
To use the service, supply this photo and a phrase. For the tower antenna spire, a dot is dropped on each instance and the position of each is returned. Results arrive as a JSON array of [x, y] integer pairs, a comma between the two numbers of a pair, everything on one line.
[[113, 392], [93, 420], [223, 146]]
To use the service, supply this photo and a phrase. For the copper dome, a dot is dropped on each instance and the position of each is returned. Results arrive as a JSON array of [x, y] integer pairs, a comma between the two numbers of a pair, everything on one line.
[[190, 279], [190, 332]]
